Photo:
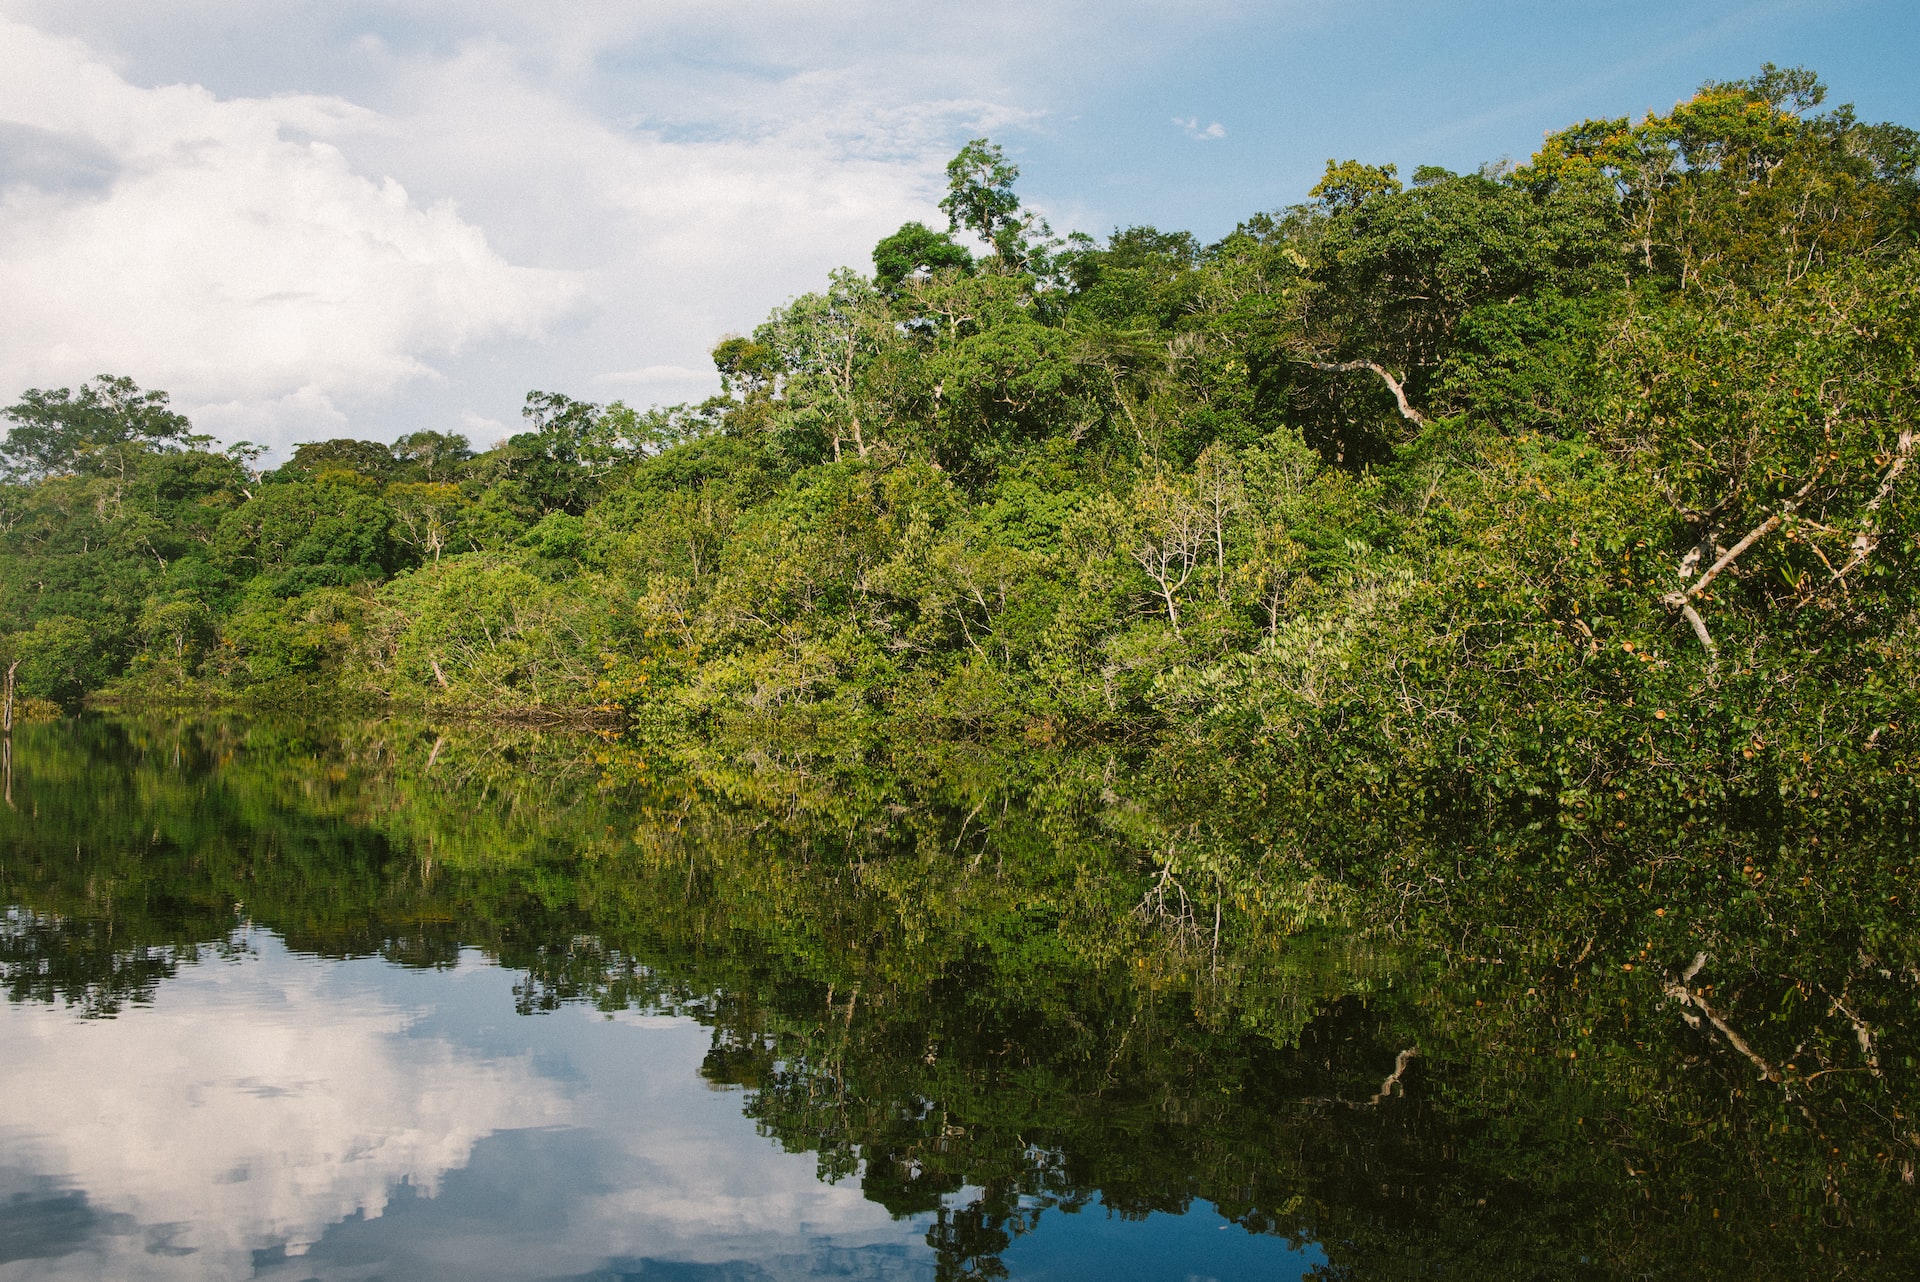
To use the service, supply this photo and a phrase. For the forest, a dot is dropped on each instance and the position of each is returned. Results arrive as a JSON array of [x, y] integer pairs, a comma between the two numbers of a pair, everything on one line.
[[1580, 485], [1397, 724]]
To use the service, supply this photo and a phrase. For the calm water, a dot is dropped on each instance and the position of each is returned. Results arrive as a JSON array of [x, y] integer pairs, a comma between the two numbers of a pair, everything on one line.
[[274, 1114], [376, 1003]]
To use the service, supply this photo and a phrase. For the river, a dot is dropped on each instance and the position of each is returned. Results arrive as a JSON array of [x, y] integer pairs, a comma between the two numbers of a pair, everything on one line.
[[388, 1000]]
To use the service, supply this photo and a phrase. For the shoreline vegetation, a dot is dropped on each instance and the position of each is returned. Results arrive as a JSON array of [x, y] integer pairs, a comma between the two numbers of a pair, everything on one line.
[[1567, 487], [1434, 672]]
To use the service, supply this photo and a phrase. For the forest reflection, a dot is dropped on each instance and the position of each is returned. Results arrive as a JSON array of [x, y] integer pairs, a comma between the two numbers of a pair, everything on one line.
[[986, 990]]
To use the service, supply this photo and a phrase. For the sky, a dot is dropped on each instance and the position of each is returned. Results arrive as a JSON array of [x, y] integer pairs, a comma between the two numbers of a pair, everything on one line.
[[320, 218]]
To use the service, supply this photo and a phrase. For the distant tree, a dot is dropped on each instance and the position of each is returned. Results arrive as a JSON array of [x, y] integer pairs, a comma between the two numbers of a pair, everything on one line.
[[557, 465], [980, 198], [91, 430], [1348, 184], [748, 367], [432, 456], [1137, 246], [1739, 186], [342, 454], [581, 434], [917, 248], [824, 342]]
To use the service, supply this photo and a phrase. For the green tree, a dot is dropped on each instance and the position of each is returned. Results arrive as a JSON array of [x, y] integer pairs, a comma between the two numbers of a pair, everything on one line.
[[293, 537], [980, 199], [60, 659], [346, 456], [96, 429], [917, 248], [433, 456], [1348, 184], [1741, 186], [824, 344]]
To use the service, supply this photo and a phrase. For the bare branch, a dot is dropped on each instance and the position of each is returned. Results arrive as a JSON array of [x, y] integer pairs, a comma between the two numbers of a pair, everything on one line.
[[1400, 1063], [1407, 411], [1682, 599], [1732, 554], [1692, 616], [1678, 990], [1869, 537], [1862, 1033]]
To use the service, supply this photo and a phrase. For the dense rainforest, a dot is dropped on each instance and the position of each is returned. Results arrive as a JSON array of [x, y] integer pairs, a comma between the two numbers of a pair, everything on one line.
[[1585, 482], [1072, 716]]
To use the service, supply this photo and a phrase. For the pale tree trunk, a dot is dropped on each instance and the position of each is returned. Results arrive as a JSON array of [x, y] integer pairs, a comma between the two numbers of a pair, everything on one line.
[[1171, 547], [1407, 411]]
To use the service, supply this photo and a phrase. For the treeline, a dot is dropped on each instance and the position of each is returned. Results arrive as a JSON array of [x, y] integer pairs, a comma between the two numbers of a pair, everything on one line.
[[1532, 481]]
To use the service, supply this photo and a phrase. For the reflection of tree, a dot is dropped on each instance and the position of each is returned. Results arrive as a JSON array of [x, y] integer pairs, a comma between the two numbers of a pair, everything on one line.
[[80, 964], [957, 1009]]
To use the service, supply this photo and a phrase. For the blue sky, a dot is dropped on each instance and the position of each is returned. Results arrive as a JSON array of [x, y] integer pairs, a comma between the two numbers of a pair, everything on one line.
[[1455, 84], [361, 217]]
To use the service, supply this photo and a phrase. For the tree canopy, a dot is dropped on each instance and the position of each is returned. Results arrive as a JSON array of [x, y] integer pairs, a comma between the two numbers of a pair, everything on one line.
[[1485, 489]]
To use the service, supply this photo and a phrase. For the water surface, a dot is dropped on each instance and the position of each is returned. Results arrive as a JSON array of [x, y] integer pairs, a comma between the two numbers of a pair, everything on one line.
[[385, 1002]]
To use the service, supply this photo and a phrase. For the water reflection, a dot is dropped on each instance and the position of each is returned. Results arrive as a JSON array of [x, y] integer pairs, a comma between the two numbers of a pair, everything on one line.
[[272, 991], [275, 1115], [268, 1108]]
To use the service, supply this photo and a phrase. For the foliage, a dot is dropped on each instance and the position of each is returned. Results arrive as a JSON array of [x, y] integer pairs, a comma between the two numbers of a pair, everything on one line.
[[1524, 558], [91, 430], [1467, 496], [917, 248]]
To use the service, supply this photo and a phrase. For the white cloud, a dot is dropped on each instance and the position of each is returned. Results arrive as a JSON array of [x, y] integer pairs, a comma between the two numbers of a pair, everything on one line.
[[226, 250], [279, 1103], [473, 197], [652, 374], [1195, 130], [251, 1107]]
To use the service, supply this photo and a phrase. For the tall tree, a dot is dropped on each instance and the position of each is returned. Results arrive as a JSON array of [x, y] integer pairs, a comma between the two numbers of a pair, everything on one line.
[[917, 248], [980, 198], [91, 430]]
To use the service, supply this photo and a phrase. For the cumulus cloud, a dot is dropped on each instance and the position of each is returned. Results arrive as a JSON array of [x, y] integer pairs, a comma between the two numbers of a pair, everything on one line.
[[687, 220], [1195, 130], [250, 1108], [225, 248], [468, 198], [280, 1116]]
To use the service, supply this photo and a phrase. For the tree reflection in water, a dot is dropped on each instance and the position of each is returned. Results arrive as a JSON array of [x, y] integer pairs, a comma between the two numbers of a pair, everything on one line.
[[1679, 1050]]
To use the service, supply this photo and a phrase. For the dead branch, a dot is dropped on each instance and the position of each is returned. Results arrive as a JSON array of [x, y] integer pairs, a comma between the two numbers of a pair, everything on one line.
[[1400, 1063], [1862, 1033], [1692, 616], [1753, 536], [1407, 411], [1682, 599], [1680, 992]]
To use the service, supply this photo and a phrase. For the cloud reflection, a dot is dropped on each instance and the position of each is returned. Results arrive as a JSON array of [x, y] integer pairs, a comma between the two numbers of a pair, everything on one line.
[[275, 1115]]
